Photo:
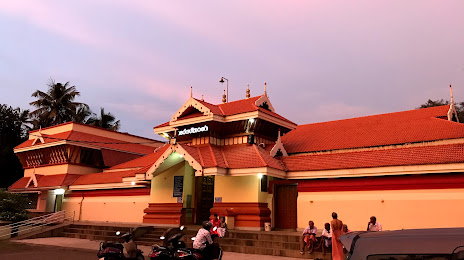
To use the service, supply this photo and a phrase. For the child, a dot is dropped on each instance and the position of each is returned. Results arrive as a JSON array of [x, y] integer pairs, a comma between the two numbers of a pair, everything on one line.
[[222, 227]]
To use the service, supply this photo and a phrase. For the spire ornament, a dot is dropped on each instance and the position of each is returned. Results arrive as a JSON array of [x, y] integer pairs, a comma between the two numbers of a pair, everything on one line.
[[248, 91], [452, 110], [224, 97]]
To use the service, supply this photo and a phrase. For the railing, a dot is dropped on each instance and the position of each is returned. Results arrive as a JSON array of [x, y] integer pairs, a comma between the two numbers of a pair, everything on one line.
[[34, 224]]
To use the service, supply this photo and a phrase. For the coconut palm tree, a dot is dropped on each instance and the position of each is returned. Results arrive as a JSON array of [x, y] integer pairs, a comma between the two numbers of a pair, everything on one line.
[[56, 106], [105, 120]]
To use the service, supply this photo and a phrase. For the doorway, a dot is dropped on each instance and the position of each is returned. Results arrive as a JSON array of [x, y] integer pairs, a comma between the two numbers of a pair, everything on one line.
[[204, 197], [58, 202], [285, 202]]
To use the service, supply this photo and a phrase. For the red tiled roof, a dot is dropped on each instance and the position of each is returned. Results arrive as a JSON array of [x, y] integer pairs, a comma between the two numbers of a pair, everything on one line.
[[233, 156], [96, 140], [46, 181], [19, 184], [239, 106], [107, 177], [386, 129], [437, 154], [231, 108], [143, 161]]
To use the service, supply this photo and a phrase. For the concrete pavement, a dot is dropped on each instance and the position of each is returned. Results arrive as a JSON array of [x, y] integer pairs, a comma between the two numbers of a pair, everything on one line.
[[94, 245]]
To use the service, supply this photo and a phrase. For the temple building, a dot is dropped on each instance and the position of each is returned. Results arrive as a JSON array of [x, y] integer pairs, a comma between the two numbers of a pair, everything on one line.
[[243, 160]]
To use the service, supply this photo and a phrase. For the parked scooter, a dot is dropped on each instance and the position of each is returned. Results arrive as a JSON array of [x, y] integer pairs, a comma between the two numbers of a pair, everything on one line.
[[171, 245], [173, 248], [115, 250]]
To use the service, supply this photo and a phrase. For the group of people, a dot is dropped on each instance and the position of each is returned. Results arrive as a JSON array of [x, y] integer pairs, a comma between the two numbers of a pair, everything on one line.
[[331, 235]]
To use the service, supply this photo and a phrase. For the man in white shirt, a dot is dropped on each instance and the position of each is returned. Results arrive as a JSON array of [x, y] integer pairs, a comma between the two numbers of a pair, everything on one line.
[[203, 240], [308, 237], [373, 225]]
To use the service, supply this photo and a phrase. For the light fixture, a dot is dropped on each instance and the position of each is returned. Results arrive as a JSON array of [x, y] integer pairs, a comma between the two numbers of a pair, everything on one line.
[[59, 191], [133, 183], [222, 81], [181, 156], [260, 175], [165, 135], [251, 120]]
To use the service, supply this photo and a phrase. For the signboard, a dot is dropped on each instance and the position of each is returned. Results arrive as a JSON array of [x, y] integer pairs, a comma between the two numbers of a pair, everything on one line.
[[178, 186], [217, 199], [193, 130]]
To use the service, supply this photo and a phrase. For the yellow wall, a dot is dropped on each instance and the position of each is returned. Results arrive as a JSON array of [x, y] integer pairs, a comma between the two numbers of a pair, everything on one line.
[[163, 183], [189, 185], [110, 209], [239, 189], [399, 209]]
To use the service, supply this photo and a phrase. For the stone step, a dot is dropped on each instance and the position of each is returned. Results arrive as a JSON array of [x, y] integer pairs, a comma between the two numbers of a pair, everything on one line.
[[260, 243]]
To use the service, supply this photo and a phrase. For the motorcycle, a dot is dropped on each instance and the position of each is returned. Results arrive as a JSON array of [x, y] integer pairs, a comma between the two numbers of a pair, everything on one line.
[[173, 248], [115, 250]]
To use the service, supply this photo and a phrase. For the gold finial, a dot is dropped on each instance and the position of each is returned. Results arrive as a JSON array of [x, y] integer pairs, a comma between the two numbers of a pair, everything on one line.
[[202, 99], [265, 92], [224, 97], [191, 91], [248, 91]]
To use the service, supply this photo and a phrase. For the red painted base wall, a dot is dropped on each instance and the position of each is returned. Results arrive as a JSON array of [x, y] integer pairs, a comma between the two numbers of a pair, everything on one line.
[[163, 213], [251, 214]]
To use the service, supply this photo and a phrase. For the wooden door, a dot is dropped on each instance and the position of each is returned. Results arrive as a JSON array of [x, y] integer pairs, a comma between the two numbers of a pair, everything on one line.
[[204, 191], [285, 197]]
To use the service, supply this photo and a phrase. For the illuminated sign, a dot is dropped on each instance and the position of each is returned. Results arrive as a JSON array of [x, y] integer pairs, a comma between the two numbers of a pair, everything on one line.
[[193, 130]]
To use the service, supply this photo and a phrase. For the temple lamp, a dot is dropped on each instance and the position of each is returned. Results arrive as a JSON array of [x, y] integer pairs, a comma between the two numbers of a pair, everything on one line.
[[222, 81]]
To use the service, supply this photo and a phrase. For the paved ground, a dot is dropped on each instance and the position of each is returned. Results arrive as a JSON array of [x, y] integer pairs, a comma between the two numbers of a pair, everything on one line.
[[74, 249]]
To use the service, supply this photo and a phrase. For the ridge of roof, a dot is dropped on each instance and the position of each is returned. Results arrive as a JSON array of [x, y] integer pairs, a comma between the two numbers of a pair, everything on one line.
[[92, 126], [409, 126]]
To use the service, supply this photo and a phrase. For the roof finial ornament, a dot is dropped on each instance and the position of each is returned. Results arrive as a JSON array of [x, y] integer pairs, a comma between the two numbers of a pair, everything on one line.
[[452, 110], [191, 91], [265, 91], [248, 91], [224, 99], [202, 99]]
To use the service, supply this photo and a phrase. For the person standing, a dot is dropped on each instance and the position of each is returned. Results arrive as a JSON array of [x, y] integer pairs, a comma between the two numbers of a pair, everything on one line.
[[373, 225], [337, 231]]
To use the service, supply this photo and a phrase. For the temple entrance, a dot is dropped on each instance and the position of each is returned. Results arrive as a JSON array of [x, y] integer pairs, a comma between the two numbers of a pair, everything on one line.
[[285, 197], [204, 197]]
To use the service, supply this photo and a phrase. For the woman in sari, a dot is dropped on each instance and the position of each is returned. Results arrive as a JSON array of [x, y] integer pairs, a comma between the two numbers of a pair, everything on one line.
[[337, 247]]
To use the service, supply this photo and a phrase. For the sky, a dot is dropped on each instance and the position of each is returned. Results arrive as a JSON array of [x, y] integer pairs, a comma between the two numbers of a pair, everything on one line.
[[321, 60]]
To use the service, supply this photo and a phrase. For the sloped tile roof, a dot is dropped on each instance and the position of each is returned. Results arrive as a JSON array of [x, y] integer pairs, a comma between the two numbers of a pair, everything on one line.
[[231, 108], [107, 177], [233, 156], [95, 140], [19, 184], [143, 161], [433, 154], [46, 181], [417, 125]]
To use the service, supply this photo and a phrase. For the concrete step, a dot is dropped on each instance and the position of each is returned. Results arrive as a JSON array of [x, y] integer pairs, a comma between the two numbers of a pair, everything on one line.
[[252, 242]]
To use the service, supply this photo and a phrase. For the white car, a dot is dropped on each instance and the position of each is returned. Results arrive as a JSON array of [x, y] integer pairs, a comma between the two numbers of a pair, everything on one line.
[[408, 244]]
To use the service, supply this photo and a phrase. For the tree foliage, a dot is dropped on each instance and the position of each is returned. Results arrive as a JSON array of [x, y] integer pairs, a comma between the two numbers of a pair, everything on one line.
[[55, 106], [14, 127], [13, 206], [442, 102], [105, 120]]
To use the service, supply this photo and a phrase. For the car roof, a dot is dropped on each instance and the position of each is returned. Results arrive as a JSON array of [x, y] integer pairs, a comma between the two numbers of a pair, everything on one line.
[[409, 241]]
